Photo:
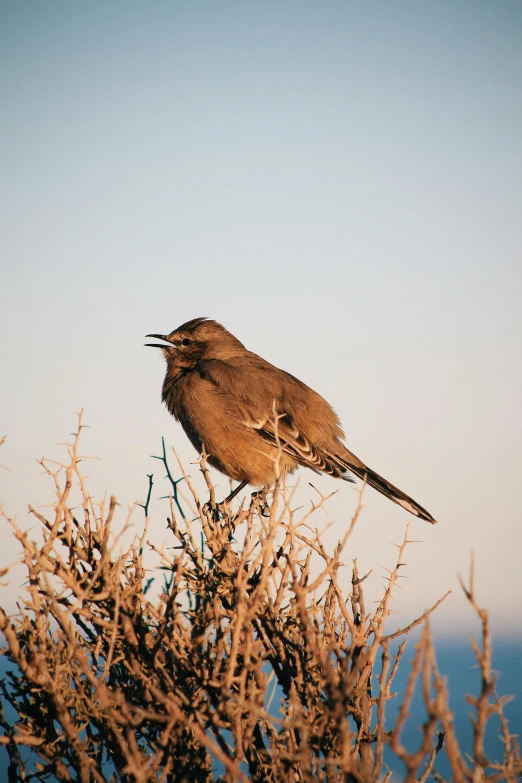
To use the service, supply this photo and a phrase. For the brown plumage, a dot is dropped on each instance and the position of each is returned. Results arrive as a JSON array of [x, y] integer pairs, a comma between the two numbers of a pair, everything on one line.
[[224, 396]]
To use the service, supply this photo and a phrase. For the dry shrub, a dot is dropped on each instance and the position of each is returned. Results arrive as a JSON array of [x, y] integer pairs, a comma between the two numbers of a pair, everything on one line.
[[250, 664]]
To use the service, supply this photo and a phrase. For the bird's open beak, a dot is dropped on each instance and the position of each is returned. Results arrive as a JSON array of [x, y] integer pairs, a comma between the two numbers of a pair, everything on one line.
[[159, 337]]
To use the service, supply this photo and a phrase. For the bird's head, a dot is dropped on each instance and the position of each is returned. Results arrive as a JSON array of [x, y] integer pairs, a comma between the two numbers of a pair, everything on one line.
[[195, 341]]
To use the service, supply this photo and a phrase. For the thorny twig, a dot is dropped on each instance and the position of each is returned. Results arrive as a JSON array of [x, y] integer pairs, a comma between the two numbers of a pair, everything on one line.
[[254, 656]]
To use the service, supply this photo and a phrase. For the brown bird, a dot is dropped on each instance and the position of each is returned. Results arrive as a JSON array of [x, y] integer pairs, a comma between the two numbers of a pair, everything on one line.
[[225, 396]]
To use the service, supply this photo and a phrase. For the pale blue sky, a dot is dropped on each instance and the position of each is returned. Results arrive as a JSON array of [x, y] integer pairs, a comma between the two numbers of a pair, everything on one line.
[[339, 183]]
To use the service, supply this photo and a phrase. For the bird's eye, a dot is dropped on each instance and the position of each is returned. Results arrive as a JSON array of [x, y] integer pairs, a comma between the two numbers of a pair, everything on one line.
[[186, 341]]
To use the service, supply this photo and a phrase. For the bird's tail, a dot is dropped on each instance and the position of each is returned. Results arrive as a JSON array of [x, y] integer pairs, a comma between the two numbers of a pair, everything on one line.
[[353, 464]]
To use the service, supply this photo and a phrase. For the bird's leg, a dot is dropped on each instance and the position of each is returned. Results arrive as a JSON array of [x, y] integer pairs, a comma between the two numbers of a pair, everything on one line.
[[222, 509], [235, 492], [258, 497]]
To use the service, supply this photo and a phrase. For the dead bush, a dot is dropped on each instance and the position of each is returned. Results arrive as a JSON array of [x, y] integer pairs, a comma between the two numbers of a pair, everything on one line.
[[250, 663]]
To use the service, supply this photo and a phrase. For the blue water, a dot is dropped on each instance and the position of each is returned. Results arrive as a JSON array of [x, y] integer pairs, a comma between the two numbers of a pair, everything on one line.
[[456, 662]]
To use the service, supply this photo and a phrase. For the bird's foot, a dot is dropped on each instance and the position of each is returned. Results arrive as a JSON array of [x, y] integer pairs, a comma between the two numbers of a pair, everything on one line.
[[259, 500], [216, 511]]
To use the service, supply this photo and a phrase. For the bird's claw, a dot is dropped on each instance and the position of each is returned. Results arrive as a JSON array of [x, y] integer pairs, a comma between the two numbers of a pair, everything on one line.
[[218, 511], [259, 499]]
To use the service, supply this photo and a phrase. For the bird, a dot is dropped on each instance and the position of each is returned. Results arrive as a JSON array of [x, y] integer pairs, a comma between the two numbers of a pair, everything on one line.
[[243, 411]]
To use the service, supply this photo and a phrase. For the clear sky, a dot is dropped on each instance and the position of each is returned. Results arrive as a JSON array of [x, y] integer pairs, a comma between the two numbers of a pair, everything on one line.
[[338, 183]]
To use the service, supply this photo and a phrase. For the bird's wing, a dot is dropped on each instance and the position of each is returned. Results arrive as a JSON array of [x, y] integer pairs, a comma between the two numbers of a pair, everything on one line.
[[297, 445], [255, 390]]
